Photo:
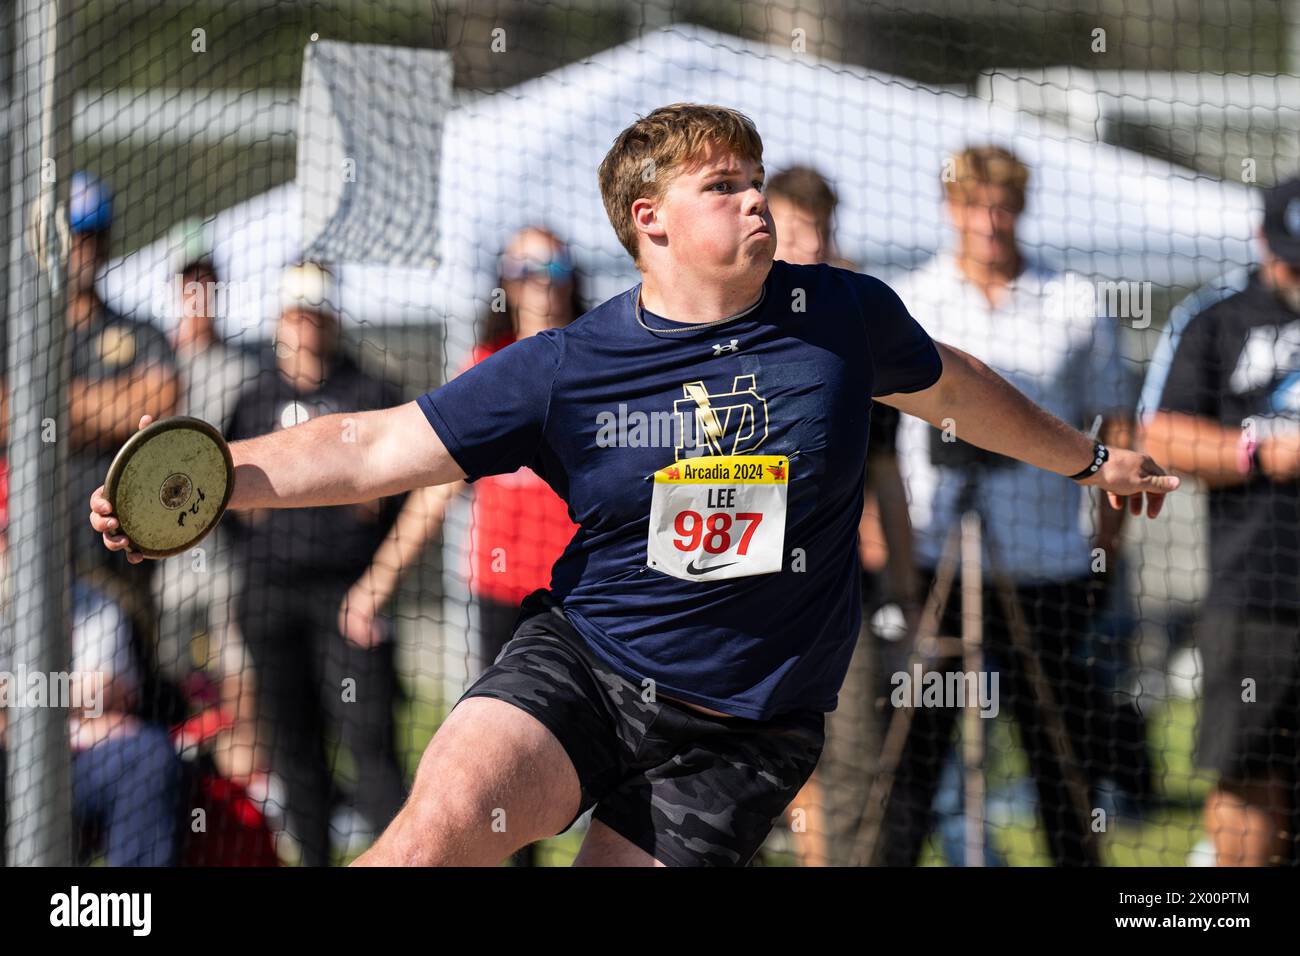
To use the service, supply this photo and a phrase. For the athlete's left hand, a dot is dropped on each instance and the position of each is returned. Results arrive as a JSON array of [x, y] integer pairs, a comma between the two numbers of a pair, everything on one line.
[[1131, 475]]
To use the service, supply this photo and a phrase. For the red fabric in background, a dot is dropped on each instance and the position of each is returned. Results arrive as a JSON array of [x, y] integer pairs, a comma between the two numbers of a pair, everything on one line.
[[235, 832], [4, 493], [520, 526]]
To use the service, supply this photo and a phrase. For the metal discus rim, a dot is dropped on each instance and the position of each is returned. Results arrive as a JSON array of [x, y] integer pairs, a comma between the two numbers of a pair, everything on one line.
[[135, 444]]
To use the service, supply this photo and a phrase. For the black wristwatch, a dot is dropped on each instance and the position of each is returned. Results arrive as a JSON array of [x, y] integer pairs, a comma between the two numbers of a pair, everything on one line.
[[1099, 456]]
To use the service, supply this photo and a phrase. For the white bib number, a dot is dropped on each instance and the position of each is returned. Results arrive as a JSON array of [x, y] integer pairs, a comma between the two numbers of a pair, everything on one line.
[[718, 517]]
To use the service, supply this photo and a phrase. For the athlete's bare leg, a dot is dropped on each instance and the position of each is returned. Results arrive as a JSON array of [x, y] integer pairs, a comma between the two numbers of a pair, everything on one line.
[[604, 847], [808, 827], [492, 780]]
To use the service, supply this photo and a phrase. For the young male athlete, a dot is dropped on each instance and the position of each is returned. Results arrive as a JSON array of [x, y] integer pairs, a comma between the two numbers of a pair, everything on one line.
[[708, 430]]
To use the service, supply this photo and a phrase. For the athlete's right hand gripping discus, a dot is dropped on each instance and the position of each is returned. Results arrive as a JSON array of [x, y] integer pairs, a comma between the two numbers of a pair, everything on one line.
[[169, 485]]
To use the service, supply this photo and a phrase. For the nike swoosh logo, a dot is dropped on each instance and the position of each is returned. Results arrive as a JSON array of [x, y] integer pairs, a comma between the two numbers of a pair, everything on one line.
[[692, 569]]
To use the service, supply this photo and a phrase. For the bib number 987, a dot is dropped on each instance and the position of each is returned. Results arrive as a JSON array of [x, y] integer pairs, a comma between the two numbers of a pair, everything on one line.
[[719, 517], [714, 532]]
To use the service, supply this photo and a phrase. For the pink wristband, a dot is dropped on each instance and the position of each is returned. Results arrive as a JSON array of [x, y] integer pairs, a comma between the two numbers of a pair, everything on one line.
[[1246, 449]]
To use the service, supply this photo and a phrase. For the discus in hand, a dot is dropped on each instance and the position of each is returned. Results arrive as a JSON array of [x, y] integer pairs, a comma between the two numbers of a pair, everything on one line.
[[169, 485]]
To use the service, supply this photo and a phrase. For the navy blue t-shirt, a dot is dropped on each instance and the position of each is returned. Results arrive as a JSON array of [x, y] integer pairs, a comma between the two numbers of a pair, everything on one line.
[[798, 375]]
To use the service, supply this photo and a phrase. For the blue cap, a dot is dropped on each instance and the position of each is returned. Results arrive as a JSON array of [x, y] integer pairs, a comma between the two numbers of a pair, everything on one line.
[[90, 206]]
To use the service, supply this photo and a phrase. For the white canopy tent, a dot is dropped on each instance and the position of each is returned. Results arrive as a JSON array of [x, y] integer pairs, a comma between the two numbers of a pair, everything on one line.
[[529, 154]]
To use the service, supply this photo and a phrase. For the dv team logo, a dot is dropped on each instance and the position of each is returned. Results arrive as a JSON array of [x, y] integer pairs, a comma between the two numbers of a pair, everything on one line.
[[723, 423]]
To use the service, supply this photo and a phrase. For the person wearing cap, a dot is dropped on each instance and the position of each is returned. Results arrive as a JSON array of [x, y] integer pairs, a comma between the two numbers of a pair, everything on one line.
[[198, 638], [1222, 403], [121, 369], [298, 568]]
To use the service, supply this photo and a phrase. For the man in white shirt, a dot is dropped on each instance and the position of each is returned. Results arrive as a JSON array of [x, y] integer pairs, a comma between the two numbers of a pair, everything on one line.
[[1040, 330]]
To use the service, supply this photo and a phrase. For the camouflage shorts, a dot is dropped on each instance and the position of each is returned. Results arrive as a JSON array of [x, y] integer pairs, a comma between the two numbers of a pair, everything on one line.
[[688, 788]]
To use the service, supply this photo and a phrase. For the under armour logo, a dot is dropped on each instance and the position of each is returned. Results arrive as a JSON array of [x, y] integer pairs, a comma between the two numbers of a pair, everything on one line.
[[719, 348]]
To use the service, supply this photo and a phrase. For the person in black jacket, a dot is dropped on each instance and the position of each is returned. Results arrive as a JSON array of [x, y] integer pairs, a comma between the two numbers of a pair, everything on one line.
[[300, 567], [1222, 403]]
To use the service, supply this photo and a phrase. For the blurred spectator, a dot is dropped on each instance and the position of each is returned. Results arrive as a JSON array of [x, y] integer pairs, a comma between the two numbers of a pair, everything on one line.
[[213, 371], [127, 781], [121, 369], [519, 525], [1024, 322], [198, 637], [803, 207], [803, 204], [299, 567], [126, 776], [1222, 403]]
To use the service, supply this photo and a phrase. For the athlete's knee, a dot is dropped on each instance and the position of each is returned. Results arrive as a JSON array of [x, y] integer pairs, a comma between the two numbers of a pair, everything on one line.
[[487, 785]]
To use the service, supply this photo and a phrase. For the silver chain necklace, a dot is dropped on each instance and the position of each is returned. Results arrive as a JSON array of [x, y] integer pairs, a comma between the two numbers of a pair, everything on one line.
[[699, 325]]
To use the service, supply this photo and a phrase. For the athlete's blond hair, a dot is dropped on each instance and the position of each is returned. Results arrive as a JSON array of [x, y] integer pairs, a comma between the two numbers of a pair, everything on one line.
[[647, 156]]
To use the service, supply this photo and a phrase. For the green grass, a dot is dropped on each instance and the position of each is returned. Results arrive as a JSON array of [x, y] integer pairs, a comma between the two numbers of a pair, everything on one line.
[[1172, 741], [1163, 838]]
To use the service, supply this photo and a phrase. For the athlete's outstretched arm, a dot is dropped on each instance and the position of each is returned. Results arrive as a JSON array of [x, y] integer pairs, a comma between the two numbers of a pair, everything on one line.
[[340, 459], [987, 411]]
